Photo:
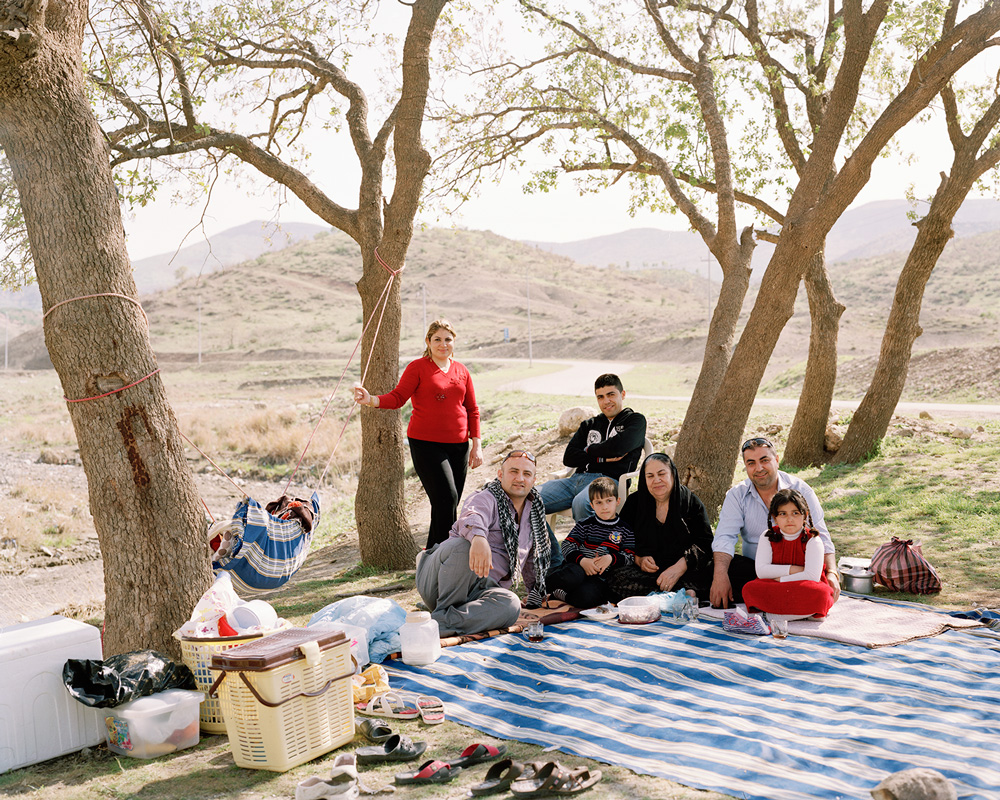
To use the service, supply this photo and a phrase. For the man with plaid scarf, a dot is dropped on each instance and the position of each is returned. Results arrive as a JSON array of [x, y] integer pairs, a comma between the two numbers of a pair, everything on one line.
[[498, 540]]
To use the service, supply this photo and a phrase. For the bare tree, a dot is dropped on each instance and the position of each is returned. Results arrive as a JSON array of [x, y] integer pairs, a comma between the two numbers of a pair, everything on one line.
[[284, 66], [142, 496]]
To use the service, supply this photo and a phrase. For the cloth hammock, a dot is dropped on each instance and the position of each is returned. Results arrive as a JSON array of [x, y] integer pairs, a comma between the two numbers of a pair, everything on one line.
[[268, 550]]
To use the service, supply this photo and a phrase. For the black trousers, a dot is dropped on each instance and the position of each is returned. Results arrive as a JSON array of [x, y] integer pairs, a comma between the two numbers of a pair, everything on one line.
[[441, 467], [582, 590]]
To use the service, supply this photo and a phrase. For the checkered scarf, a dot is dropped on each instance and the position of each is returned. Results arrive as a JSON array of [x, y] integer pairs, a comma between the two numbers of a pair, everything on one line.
[[539, 535]]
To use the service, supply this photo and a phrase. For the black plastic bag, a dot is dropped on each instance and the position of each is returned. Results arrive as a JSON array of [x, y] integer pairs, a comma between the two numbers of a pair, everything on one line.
[[119, 679]]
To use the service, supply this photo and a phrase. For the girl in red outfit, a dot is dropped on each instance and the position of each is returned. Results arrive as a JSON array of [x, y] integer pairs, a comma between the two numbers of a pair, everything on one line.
[[789, 564], [445, 420]]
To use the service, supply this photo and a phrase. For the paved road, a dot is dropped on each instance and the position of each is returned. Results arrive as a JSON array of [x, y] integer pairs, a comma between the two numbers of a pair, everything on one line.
[[577, 380]]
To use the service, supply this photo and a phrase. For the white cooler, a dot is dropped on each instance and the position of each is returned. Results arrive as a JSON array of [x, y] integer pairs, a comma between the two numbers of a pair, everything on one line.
[[39, 719]]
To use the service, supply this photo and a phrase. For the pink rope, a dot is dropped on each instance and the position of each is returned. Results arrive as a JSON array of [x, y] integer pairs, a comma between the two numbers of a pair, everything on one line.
[[100, 294], [383, 300], [220, 469], [113, 391]]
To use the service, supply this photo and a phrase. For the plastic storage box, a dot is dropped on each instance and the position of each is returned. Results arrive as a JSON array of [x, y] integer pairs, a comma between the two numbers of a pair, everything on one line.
[[39, 719], [287, 698], [154, 725]]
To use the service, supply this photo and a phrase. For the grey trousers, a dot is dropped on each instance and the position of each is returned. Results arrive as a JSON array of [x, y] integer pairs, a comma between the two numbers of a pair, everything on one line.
[[460, 600]]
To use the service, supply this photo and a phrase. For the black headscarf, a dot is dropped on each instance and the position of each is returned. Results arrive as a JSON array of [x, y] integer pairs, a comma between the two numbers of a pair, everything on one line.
[[686, 531]]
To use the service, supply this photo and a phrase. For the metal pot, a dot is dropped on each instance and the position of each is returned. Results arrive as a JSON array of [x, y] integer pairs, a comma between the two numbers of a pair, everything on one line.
[[857, 580]]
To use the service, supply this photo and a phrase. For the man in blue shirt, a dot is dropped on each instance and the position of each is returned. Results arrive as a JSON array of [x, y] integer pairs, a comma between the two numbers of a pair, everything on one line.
[[745, 516]]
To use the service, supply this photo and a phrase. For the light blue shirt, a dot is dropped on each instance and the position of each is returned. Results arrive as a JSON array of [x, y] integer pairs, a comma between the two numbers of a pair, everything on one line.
[[744, 516]]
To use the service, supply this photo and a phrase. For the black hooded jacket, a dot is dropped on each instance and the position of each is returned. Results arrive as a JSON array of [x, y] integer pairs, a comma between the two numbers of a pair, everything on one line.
[[599, 439]]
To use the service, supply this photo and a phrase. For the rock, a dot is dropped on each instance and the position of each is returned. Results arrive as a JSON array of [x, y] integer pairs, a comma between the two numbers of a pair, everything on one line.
[[833, 439], [571, 419], [925, 415], [915, 784], [773, 430], [961, 433], [669, 449], [980, 429], [906, 432]]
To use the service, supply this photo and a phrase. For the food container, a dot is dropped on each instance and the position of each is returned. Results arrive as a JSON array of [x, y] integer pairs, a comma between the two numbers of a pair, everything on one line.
[[638, 610], [286, 698], [154, 725], [856, 579]]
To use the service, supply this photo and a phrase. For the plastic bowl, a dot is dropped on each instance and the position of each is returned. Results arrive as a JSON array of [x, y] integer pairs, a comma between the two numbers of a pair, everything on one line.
[[638, 610]]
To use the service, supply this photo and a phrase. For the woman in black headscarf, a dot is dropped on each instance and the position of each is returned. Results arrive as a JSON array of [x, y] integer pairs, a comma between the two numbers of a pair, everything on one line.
[[673, 536]]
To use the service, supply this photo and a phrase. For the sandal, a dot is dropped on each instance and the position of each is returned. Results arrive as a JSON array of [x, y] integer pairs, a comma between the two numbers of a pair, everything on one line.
[[373, 730], [429, 772], [553, 779], [395, 748], [430, 708], [388, 704], [499, 778], [478, 754]]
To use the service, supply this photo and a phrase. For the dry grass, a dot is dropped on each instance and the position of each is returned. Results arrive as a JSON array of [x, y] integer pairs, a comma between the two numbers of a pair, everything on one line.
[[44, 516]]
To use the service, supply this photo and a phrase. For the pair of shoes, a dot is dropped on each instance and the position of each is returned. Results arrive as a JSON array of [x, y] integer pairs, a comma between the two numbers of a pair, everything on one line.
[[389, 704], [499, 778], [552, 778], [478, 754], [395, 748], [341, 785]]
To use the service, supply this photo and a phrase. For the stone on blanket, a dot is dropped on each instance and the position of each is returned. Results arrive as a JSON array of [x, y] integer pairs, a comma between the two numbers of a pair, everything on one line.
[[915, 784]]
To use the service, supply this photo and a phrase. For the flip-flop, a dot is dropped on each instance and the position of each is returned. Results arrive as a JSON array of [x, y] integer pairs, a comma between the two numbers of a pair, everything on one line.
[[478, 754], [431, 708], [389, 704], [499, 778], [429, 772], [373, 730], [395, 748]]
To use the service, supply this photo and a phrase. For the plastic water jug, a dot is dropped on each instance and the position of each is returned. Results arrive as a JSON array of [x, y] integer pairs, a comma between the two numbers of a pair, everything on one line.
[[420, 639]]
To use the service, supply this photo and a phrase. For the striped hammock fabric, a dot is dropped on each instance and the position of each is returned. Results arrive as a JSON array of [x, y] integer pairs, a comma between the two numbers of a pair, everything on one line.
[[748, 716], [271, 549]]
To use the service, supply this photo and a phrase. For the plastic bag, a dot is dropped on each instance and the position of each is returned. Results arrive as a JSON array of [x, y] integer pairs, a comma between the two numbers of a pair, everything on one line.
[[211, 610], [381, 617], [901, 567], [739, 621], [122, 678]]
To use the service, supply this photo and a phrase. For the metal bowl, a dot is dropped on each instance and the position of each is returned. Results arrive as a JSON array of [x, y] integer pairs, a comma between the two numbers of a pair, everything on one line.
[[857, 580]]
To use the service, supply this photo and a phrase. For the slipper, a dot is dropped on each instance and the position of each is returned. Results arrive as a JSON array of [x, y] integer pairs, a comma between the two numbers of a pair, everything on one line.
[[395, 748], [373, 730], [431, 708], [429, 772], [478, 754], [388, 704], [499, 778], [553, 779], [578, 780]]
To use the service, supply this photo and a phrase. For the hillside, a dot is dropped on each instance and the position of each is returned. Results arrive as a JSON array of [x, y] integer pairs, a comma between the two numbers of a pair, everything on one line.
[[301, 302]]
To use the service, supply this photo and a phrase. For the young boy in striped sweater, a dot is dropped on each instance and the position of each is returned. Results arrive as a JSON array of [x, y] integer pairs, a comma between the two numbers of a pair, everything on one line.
[[594, 548]]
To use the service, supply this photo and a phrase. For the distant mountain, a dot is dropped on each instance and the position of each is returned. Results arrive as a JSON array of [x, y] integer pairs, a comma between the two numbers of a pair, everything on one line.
[[869, 230], [202, 257]]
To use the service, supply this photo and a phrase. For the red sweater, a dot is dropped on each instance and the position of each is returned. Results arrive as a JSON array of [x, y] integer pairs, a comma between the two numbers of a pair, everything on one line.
[[444, 405]]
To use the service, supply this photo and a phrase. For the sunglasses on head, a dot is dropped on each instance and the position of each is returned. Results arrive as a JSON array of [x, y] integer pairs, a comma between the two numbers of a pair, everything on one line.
[[758, 441], [519, 454]]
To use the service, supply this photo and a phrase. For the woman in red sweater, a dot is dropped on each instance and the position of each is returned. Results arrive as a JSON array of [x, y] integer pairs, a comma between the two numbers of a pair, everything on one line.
[[444, 421]]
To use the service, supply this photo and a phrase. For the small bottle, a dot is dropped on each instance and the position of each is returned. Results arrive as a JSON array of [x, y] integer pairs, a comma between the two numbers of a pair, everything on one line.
[[420, 639]]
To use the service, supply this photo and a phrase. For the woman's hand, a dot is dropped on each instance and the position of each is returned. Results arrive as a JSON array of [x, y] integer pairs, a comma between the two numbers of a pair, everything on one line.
[[362, 396], [793, 569], [589, 566], [667, 579], [475, 454], [646, 563]]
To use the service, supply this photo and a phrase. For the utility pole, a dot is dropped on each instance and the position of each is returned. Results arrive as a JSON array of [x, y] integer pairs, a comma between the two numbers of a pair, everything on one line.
[[199, 326], [6, 325]]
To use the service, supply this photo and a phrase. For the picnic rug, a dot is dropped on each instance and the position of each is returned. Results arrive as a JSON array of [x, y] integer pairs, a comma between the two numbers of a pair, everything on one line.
[[748, 716]]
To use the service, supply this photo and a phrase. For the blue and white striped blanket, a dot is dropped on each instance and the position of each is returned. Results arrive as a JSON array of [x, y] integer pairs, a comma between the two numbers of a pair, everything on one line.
[[748, 716]]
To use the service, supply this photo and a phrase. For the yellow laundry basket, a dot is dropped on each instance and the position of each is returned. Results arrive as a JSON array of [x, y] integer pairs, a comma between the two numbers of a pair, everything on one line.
[[197, 654], [287, 698]]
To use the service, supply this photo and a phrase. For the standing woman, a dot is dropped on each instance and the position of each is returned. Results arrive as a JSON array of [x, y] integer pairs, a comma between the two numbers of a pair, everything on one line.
[[444, 421], [673, 535]]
